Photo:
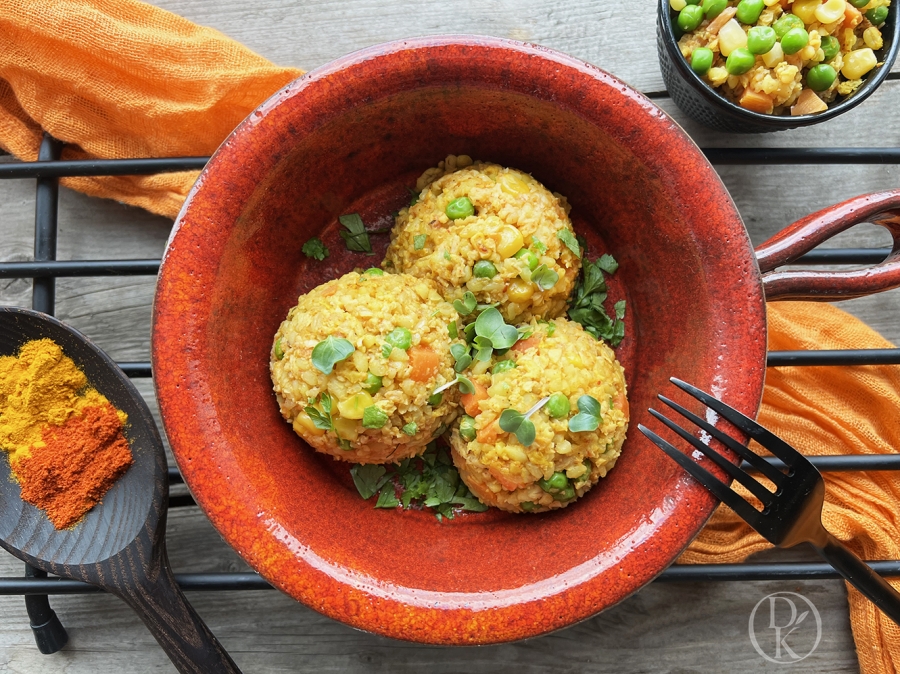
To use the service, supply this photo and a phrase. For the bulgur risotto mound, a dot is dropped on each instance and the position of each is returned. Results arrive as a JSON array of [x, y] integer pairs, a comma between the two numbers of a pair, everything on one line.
[[356, 361], [578, 388], [493, 231]]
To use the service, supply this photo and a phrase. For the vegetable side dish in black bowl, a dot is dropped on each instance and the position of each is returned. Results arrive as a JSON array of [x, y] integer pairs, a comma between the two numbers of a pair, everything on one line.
[[749, 66]]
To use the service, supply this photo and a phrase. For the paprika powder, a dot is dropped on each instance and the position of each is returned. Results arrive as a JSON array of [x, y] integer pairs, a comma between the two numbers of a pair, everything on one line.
[[65, 440]]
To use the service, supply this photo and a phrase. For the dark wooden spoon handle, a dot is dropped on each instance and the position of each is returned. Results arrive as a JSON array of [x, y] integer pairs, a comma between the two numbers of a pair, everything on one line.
[[174, 623]]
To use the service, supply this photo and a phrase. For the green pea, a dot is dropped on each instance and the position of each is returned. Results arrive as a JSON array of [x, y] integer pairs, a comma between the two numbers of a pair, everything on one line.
[[712, 8], [527, 506], [374, 271], [399, 338], [530, 258], [794, 40], [739, 61], [372, 384], [279, 352], [460, 208], [831, 46], [503, 366], [484, 269], [692, 2], [820, 77], [701, 60], [467, 428], [435, 399], [748, 11], [785, 23], [859, 4], [557, 482], [761, 39], [690, 17], [558, 406], [566, 494], [877, 15]]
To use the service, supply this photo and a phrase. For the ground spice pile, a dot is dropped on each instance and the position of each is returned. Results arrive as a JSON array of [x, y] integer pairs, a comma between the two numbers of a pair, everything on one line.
[[65, 441]]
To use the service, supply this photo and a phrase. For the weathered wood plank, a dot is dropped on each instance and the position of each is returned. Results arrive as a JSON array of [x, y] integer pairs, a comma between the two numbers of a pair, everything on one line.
[[674, 627]]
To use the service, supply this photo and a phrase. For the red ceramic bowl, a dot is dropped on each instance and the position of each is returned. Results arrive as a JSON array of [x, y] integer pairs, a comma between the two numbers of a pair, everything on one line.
[[351, 137]]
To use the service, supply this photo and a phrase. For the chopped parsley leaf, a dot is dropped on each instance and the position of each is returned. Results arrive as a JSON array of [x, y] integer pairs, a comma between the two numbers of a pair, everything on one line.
[[314, 248]]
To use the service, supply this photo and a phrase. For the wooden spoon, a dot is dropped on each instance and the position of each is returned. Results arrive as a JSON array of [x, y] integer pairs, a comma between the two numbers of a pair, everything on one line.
[[120, 544]]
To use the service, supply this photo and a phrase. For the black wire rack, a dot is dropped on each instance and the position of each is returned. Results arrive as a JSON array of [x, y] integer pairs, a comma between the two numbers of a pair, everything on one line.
[[35, 585]]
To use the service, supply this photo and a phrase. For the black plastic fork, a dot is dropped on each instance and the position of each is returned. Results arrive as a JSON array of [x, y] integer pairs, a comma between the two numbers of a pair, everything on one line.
[[791, 514]]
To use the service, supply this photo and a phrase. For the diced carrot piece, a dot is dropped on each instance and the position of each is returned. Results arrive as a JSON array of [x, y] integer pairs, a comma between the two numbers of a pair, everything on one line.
[[525, 344], [852, 17], [808, 103], [757, 101], [470, 400], [423, 362], [620, 402], [490, 432]]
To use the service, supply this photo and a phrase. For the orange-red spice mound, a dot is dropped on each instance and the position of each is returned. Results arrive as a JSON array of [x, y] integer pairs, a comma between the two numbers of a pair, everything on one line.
[[77, 464]]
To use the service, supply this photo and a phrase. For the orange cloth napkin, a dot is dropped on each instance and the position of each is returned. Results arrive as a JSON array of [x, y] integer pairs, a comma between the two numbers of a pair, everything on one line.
[[822, 411], [119, 78]]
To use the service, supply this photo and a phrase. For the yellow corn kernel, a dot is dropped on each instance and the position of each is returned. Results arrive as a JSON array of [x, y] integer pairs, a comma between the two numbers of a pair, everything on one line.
[[346, 429], [512, 183], [806, 9], [731, 36], [520, 290], [677, 5], [872, 38], [352, 407], [510, 241], [857, 63], [303, 425], [769, 3], [831, 11]]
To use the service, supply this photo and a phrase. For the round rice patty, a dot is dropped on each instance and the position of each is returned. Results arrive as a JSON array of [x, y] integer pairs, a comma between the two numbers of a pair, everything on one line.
[[364, 308], [558, 358], [512, 211]]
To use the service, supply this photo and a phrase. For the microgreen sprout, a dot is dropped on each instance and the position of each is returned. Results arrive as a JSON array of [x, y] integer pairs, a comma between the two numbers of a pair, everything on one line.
[[515, 422], [330, 351]]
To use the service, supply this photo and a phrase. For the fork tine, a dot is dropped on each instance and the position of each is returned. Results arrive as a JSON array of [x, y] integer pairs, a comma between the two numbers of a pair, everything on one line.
[[772, 442], [741, 450], [717, 487], [748, 481]]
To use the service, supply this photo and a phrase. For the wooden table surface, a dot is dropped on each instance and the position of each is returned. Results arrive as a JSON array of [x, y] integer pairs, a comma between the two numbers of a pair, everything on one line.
[[666, 627]]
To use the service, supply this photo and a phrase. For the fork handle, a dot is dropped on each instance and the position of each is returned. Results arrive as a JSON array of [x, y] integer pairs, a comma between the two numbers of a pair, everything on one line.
[[862, 577]]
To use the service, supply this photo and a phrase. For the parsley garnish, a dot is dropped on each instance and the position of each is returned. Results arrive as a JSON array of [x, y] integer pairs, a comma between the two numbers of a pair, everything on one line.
[[315, 249], [374, 417], [428, 481], [588, 298], [321, 420], [356, 237], [571, 242]]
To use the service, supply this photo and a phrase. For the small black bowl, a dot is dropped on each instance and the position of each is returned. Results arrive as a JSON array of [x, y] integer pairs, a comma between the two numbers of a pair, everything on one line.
[[702, 103]]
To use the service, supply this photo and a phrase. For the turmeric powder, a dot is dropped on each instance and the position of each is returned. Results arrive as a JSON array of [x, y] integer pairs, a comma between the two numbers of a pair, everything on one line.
[[64, 438]]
